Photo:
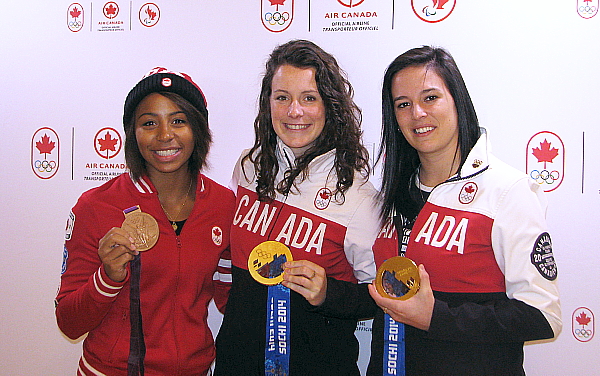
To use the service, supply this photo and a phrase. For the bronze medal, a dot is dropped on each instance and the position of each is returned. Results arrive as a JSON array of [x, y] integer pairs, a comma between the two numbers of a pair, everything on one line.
[[398, 278], [142, 227], [266, 260]]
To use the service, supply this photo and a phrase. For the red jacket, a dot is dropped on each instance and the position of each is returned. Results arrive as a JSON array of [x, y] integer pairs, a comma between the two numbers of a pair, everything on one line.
[[179, 277]]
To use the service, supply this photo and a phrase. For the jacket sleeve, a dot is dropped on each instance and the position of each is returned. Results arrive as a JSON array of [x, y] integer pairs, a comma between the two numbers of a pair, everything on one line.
[[349, 300], [222, 280], [86, 292], [523, 250]]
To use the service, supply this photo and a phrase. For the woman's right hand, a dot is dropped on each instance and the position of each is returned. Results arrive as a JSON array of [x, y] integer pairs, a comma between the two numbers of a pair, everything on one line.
[[116, 249]]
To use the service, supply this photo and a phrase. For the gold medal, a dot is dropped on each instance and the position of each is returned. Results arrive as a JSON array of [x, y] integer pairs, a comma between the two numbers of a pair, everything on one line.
[[142, 227], [266, 262], [398, 278]]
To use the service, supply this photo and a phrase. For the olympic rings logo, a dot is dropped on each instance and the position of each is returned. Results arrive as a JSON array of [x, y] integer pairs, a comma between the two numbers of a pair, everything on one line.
[[45, 166], [277, 18], [544, 176], [262, 254], [583, 333], [587, 9], [75, 24]]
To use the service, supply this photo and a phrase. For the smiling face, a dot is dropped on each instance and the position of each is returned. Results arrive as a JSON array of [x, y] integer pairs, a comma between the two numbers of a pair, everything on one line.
[[164, 136], [297, 109], [425, 112]]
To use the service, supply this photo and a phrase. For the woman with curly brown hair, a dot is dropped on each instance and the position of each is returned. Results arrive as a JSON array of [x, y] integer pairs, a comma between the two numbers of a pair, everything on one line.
[[303, 184]]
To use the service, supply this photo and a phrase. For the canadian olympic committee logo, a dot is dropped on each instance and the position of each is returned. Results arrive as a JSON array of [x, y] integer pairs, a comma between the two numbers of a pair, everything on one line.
[[582, 324], [433, 10], [277, 15], [545, 160], [149, 14], [45, 153], [587, 8], [75, 17], [107, 143]]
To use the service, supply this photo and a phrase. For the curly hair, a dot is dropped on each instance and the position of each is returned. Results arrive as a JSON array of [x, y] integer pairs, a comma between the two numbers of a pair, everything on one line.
[[202, 140], [401, 159], [341, 130]]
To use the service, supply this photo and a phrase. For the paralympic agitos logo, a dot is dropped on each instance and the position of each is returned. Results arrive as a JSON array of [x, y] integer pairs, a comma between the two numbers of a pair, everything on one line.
[[277, 15]]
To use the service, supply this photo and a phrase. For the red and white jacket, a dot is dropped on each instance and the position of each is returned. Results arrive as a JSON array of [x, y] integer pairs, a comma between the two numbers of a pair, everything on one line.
[[483, 239], [315, 226], [179, 277]]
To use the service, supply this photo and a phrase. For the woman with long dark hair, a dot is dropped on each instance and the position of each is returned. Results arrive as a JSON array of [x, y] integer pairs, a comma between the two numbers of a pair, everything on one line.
[[475, 226], [303, 184]]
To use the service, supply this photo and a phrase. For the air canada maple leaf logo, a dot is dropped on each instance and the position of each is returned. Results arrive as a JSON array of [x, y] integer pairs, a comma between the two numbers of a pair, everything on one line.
[[111, 10], [107, 143]]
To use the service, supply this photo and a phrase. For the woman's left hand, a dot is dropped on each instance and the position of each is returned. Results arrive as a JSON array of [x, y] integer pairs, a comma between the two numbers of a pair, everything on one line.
[[307, 279], [415, 311]]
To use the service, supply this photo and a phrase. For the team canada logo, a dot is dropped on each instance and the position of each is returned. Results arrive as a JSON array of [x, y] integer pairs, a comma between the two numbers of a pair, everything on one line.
[[45, 153], [75, 17], [149, 14], [217, 235], [433, 10], [545, 161], [467, 193], [107, 143], [323, 198], [277, 15], [587, 8], [582, 324]]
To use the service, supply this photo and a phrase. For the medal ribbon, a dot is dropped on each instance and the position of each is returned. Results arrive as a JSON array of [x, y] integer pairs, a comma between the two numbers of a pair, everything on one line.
[[393, 347], [137, 347], [277, 349]]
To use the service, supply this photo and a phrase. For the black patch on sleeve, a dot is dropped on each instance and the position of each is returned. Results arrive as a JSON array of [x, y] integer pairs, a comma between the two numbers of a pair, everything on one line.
[[543, 258]]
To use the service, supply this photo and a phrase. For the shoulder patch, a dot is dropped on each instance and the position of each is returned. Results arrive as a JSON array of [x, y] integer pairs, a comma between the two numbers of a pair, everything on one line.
[[70, 224], [543, 258]]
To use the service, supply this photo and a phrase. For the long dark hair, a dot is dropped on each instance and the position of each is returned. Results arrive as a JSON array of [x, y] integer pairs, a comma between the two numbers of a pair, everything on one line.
[[400, 158], [341, 131], [202, 140]]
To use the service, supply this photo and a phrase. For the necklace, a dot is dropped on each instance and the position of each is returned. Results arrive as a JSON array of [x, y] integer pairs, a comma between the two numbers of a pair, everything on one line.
[[174, 223]]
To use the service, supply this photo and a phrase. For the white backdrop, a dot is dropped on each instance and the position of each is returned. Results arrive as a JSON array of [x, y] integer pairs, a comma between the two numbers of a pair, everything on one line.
[[530, 66]]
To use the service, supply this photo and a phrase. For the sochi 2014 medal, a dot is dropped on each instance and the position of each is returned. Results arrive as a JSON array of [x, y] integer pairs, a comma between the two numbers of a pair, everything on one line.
[[398, 278], [266, 260], [142, 227]]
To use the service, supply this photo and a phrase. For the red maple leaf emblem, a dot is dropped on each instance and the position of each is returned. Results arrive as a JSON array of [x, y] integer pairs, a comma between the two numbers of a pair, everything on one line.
[[75, 12], [469, 189], [111, 10], [45, 146], [217, 232], [150, 13], [544, 153], [277, 2], [107, 143], [324, 195], [582, 319]]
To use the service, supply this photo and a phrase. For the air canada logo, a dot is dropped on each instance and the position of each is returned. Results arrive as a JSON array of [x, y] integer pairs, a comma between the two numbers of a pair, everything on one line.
[[582, 324], [433, 10], [110, 10], [107, 143], [467, 193], [75, 17], [323, 198], [350, 3], [45, 152], [277, 15], [149, 14], [545, 161], [587, 8]]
